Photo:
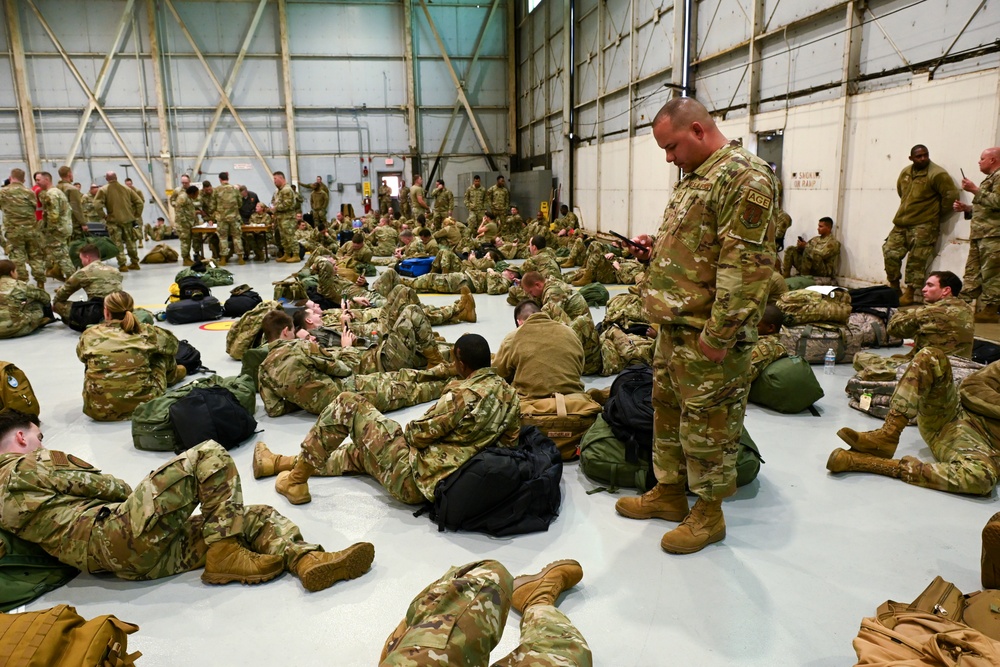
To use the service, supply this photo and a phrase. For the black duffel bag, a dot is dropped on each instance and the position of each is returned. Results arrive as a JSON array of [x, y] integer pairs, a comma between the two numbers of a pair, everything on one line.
[[186, 311]]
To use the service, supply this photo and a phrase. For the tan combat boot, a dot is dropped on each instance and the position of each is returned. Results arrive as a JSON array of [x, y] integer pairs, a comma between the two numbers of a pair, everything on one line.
[[988, 315], [433, 355], [907, 298], [704, 525], [991, 553], [123, 268], [222, 261], [583, 277], [134, 266], [663, 501], [188, 262], [294, 484], [268, 464], [40, 283], [881, 442], [227, 561], [601, 396], [318, 569], [842, 460], [241, 261], [467, 305], [568, 263], [546, 586]]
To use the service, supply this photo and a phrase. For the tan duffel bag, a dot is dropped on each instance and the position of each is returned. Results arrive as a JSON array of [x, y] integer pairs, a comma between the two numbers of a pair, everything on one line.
[[564, 418]]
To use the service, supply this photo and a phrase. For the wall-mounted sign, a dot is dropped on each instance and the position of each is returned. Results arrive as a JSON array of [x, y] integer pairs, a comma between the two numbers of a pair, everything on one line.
[[806, 180], [242, 165]]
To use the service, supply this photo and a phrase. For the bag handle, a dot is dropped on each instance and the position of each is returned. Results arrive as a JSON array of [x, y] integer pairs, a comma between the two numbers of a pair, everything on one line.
[[561, 405]]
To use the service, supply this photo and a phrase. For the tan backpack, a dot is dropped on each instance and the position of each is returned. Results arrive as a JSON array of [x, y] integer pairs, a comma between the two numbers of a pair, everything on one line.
[[15, 390], [59, 637], [161, 254], [563, 418]]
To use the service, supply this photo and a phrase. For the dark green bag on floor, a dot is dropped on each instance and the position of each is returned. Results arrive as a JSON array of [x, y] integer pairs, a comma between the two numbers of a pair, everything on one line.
[[788, 386], [108, 249], [27, 571], [252, 359], [595, 294]]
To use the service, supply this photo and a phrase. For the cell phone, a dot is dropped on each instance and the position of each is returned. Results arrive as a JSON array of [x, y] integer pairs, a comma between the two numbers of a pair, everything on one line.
[[802, 239], [962, 172]]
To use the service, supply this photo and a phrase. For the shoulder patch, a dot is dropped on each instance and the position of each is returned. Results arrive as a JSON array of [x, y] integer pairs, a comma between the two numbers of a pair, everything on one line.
[[752, 215], [79, 463]]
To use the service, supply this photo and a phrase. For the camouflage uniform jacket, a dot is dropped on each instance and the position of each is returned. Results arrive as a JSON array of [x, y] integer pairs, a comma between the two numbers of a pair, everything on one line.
[[766, 351], [475, 200], [472, 414], [292, 363], [925, 196], [123, 369], [823, 255], [449, 236], [227, 202], [386, 238], [120, 203], [714, 253], [285, 202], [58, 216], [986, 208], [498, 200], [444, 201], [91, 213], [184, 211], [946, 324], [545, 263], [53, 499], [206, 204], [18, 204], [348, 257], [263, 218], [980, 396], [560, 294], [96, 279], [18, 302], [415, 248], [781, 224], [75, 198]]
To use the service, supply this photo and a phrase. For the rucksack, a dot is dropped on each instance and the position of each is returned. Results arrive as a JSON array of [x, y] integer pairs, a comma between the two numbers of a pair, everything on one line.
[[290, 289], [212, 276], [83, 314], [152, 428], [248, 332], [15, 390], [985, 352], [563, 418], [160, 254], [502, 491], [415, 266], [787, 385], [629, 410], [192, 287], [252, 359], [211, 413], [806, 306], [104, 245], [812, 341], [27, 571], [876, 296], [595, 294], [59, 637], [189, 357], [243, 300], [187, 311]]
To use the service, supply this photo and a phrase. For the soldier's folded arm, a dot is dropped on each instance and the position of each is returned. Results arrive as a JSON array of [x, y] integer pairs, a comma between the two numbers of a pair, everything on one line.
[[988, 198], [442, 419], [80, 483], [905, 323]]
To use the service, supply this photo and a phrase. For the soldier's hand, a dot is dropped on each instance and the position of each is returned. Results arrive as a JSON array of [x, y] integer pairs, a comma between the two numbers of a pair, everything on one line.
[[361, 301], [361, 281], [969, 186], [347, 338], [710, 352], [959, 206]]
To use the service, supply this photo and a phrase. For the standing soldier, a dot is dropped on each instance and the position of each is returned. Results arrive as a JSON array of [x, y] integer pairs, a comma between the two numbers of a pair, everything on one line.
[[206, 202], [285, 205], [184, 219], [137, 224], [982, 269], [58, 227], [227, 212], [384, 198], [404, 199], [260, 241], [926, 194], [120, 204], [475, 202], [90, 212], [24, 244], [319, 201], [185, 184], [417, 201], [75, 198], [706, 288], [498, 200], [444, 201]]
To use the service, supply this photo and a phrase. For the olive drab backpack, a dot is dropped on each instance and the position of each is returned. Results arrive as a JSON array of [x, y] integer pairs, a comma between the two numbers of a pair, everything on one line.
[[15, 390], [27, 572]]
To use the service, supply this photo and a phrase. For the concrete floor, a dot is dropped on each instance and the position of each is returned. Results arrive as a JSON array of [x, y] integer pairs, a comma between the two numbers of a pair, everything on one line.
[[806, 557]]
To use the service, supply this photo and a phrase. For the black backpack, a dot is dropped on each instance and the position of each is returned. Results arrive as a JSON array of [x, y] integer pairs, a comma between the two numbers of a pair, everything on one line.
[[242, 301], [189, 357], [629, 411], [186, 311], [876, 296], [985, 352], [83, 314], [211, 413], [192, 287], [502, 491]]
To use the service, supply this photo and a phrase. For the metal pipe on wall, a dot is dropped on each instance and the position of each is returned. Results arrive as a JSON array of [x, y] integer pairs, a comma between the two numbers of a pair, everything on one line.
[[571, 85]]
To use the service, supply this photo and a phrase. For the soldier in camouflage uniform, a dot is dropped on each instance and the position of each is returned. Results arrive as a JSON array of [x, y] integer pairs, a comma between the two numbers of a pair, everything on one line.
[[94, 277], [227, 215], [127, 363], [120, 205], [498, 201], [620, 349], [384, 198], [418, 202], [90, 211], [22, 307], [478, 410], [459, 619], [545, 291], [926, 194], [444, 202], [24, 241], [57, 220], [768, 347], [475, 202], [97, 523], [319, 200], [820, 257], [512, 227], [960, 425], [982, 269], [284, 205], [944, 321], [706, 288], [185, 218], [489, 281], [75, 198], [386, 238], [257, 242]]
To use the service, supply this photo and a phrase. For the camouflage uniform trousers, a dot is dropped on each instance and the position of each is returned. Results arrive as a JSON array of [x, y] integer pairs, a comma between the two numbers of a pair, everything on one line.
[[184, 234], [121, 235], [284, 223], [620, 350], [698, 408], [57, 253], [319, 217], [446, 262], [388, 283], [377, 447], [919, 242], [982, 272], [230, 227], [153, 534], [24, 247], [459, 619], [875, 367], [577, 252], [626, 310], [386, 391], [966, 460]]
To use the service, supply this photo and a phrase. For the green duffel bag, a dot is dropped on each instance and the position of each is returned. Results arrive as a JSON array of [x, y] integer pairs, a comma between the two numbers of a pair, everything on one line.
[[108, 249], [213, 276], [27, 572], [788, 385], [143, 316], [252, 359], [595, 294], [799, 282], [602, 458], [151, 427]]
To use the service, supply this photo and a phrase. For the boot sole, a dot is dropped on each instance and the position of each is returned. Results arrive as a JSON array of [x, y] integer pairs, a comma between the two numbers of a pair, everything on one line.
[[666, 516], [357, 559], [670, 549], [991, 553], [258, 466], [219, 578], [528, 578]]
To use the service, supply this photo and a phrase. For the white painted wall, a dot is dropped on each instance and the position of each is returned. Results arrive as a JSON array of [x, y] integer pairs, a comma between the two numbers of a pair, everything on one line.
[[956, 118]]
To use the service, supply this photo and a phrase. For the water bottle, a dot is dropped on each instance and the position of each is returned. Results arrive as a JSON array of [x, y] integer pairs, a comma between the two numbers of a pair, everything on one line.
[[829, 361], [373, 338]]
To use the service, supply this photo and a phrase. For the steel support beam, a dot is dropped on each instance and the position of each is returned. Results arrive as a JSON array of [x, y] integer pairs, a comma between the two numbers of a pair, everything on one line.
[[228, 88], [413, 131], [218, 86], [286, 75], [25, 110], [853, 19], [511, 80], [631, 116], [102, 80], [161, 96], [140, 172], [951, 46], [754, 53]]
